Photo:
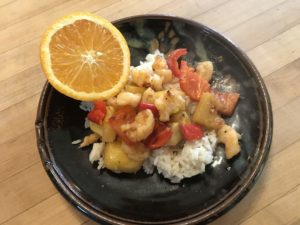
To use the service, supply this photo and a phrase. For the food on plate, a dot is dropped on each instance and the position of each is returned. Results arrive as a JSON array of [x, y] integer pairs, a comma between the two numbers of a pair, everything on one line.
[[167, 117], [116, 159], [178, 163], [205, 69], [229, 137], [163, 113], [206, 113], [80, 66], [90, 139]]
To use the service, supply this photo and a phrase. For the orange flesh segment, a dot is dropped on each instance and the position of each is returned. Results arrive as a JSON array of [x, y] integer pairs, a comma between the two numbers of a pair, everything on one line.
[[81, 61]]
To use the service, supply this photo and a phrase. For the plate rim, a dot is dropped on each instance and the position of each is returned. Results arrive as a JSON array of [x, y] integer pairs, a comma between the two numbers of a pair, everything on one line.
[[220, 208]]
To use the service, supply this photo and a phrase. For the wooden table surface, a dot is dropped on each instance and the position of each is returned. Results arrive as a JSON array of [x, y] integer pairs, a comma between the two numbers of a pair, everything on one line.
[[269, 32]]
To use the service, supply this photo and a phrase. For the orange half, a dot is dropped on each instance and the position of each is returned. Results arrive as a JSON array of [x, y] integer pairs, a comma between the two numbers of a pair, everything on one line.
[[85, 57]]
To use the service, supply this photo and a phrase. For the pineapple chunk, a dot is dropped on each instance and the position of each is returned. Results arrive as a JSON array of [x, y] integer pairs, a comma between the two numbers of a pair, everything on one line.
[[206, 114], [149, 96], [181, 117], [105, 130], [176, 134], [128, 98], [96, 128], [116, 160], [230, 138]]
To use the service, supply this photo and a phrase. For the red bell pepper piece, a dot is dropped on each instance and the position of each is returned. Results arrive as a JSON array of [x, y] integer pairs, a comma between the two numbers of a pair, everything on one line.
[[98, 113], [191, 132], [123, 115], [152, 107], [159, 137], [172, 60], [192, 84]]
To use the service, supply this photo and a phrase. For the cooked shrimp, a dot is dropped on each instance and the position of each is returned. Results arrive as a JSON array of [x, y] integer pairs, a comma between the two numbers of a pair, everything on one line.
[[149, 96], [141, 77], [160, 68], [166, 74], [205, 69], [173, 84], [141, 127], [128, 98], [156, 82], [168, 103], [230, 138], [159, 63]]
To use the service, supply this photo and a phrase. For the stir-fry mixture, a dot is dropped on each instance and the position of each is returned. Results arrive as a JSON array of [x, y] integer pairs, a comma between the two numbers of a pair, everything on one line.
[[167, 116]]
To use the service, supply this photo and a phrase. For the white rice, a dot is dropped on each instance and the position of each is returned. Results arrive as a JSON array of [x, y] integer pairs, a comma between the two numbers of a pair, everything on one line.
[[76, 142], [178, 164], [147, 64], [96, 154]]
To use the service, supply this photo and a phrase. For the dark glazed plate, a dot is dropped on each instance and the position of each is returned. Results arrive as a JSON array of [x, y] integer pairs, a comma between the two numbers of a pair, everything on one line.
[[150, 199]]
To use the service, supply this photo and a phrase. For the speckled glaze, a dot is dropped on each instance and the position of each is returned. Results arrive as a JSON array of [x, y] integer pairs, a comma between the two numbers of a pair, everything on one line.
[[149, 199]]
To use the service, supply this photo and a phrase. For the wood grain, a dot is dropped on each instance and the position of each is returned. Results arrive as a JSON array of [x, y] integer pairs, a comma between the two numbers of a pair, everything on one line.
[[285, 117], [183, 8], [228, 11], [277, 174], [285, 49], [269, 31], [17, 194], [5, 3], [52, 210], [19, 59], [261, 27], [284, 205], [18, 125], [283, 84], [12, 14], [21, 150]]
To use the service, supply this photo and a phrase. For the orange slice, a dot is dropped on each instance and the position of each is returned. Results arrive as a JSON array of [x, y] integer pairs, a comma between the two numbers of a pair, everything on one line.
[[85, 57]]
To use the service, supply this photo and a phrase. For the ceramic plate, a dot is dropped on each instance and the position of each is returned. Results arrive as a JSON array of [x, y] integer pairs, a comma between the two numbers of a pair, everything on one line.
[[149, 199]]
